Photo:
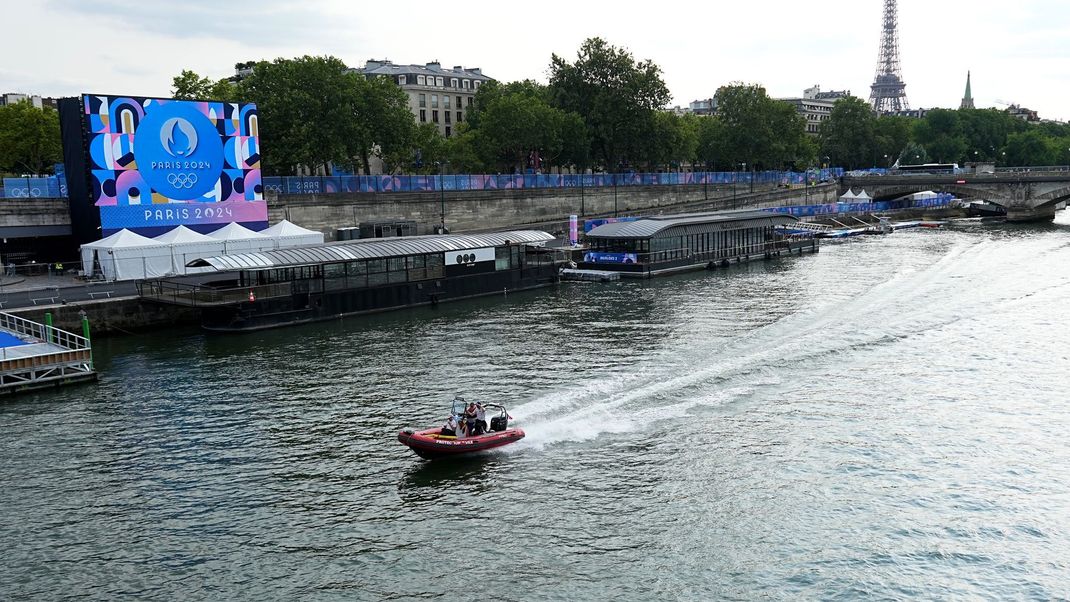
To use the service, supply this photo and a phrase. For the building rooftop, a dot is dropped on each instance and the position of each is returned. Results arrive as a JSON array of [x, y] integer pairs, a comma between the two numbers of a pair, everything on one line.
[[385, 67], [649, 226]]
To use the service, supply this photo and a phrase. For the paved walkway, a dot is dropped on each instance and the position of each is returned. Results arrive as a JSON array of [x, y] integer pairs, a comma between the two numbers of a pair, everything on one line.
[[33, 291]]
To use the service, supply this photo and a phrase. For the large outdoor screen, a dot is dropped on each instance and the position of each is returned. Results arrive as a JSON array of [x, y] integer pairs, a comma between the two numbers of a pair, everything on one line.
[[153, 164]]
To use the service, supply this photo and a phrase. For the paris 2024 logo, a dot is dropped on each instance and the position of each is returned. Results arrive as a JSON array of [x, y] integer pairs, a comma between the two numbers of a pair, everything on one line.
[[179, 152]]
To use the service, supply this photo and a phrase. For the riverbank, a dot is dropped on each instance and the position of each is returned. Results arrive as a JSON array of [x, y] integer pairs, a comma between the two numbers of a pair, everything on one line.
[[115, 309]]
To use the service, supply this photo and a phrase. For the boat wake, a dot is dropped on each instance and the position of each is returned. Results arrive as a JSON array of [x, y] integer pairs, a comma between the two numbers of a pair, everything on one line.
[[696, 370]]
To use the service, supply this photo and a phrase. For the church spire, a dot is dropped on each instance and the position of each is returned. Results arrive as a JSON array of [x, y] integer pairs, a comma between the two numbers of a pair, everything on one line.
[[967, 99]]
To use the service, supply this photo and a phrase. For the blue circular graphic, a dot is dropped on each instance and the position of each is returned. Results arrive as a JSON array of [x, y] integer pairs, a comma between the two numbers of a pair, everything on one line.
[[178, 151]]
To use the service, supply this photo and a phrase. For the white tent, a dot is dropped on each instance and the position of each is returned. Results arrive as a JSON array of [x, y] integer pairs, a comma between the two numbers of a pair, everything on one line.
[[862, 196], [187, 245], [239, 239], [849, 195], [126, 255], [289, 234]]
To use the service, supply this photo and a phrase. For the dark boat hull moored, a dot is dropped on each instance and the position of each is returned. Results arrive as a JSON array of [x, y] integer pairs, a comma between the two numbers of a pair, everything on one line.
[[429, 444]]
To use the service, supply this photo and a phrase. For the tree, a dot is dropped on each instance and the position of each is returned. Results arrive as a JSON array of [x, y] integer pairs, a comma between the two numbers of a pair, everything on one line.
[[309, 107], [913, 154], [614, 94], [847, 138], [29, 139], [1031, 147], [712, 149], [188, 85], [940, 132], [891, 135], [760, 131], [382, 124]]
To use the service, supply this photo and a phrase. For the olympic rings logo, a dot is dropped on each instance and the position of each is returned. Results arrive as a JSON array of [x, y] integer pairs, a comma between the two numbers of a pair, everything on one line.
[[24, 193], [182, 180]]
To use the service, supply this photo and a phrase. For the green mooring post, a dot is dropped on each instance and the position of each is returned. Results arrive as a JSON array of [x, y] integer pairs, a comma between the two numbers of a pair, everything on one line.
[[85, 333], [48, 327]]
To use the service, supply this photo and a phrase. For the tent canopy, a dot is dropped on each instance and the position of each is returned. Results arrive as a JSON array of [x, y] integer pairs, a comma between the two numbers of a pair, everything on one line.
[[234, 231], [862, 196], [289, 234], [125, 255], [187, 245], [849, 195]]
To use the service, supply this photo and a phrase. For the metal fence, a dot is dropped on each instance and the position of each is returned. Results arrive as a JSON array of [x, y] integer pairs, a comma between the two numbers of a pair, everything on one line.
[[451, 182], [38, 187]]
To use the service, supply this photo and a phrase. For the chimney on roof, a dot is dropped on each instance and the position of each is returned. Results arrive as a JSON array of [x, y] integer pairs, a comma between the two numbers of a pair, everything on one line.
[[476, 70], [458, 68], [434, 65], [375, 63]]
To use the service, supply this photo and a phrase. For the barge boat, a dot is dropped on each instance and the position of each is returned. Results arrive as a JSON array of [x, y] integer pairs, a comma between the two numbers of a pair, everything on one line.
[[253, 291], [666, 244]]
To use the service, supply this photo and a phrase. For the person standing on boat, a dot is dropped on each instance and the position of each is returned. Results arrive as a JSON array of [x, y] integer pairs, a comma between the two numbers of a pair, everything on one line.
[[481, 419], [450, 428], [470, 419]]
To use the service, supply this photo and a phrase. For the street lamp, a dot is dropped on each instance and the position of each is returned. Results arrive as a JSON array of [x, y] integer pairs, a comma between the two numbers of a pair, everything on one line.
[[441, 198]]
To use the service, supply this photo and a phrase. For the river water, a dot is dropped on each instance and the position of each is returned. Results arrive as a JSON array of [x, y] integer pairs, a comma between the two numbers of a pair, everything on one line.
[[886, 419]]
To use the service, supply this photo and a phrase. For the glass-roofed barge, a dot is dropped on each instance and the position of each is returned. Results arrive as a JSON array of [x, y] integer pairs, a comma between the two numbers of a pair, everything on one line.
[[253, 291], [664, 244]]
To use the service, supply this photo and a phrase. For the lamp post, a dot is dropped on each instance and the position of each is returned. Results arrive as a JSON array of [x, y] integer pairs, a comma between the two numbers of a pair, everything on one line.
[[441, 198]]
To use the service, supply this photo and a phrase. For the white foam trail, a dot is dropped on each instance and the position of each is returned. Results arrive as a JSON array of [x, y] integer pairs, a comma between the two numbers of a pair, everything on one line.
[[671, 386]]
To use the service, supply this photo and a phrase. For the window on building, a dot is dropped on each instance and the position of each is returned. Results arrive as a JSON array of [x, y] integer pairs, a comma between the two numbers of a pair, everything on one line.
[[423, 115], [459, 104], [453, 82], [434, 101], [460, 117], [420, 80], [438, 82], [434, 116], [469, 101], [475, 85], [446, 114], [423, 100], [445, 102], [465, 84], [401, 80], [447, 129]]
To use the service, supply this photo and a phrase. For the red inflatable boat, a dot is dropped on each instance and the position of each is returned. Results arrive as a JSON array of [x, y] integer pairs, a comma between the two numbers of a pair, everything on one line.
[[432, 444]]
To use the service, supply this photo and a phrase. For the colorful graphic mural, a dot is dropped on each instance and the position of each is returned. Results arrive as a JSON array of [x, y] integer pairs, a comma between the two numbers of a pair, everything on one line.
[[159, 163]]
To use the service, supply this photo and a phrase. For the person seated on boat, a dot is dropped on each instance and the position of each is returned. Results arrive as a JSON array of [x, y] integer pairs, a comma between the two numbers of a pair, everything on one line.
[[470, 419], [450, 428], [481, 419]]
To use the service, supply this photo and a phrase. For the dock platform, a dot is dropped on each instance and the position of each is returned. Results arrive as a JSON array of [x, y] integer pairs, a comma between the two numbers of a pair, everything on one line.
[[35, 356], [589, 275]]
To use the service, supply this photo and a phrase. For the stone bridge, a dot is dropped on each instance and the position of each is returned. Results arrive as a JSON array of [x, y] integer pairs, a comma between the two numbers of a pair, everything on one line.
[[1027, 196]]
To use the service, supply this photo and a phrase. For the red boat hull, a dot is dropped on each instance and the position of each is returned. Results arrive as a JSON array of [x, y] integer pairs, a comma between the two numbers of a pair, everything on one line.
[[432, 446]]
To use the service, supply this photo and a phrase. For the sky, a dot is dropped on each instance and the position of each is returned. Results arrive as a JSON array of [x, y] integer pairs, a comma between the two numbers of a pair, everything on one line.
[[1017, 51]]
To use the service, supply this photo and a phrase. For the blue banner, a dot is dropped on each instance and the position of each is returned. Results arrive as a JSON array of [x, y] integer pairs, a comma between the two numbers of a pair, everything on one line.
[[593, 257]]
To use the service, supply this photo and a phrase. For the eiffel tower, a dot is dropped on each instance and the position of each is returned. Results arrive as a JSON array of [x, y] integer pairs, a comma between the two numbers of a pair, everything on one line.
[[888, 94]]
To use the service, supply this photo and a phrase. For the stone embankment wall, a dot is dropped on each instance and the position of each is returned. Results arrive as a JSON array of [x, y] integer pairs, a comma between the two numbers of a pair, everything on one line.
[[112, 316], [497, 209]]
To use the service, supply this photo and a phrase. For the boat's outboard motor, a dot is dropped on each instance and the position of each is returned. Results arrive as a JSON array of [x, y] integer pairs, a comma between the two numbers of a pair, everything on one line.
[[499, 423]]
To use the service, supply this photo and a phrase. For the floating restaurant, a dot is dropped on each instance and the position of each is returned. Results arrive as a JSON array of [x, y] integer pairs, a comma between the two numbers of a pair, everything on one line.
[[260, 290], [665, 244]]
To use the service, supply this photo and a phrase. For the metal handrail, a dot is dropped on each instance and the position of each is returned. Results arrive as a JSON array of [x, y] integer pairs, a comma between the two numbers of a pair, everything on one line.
[[43, 332]]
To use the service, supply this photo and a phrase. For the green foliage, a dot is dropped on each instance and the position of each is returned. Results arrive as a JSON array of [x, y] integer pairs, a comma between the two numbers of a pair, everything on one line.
[[1031, 147], [891, 135], [759, 132], [848, 137], [508, 122], [614, 95], [191, 86], [29, 139], [941, 135]]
